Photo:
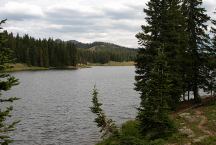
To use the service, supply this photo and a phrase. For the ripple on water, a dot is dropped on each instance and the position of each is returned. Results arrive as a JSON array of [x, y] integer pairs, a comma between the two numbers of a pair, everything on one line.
[[54, 105]]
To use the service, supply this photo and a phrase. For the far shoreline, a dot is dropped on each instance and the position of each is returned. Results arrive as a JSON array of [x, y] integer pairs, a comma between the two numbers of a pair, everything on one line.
[[23, 67]]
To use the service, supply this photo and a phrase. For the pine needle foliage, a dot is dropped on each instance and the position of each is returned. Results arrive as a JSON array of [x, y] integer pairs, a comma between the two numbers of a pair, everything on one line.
[[107, 126], [6, 83]]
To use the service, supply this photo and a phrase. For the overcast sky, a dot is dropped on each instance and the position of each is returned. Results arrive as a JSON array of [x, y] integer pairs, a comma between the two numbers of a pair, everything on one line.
[[115, 21]]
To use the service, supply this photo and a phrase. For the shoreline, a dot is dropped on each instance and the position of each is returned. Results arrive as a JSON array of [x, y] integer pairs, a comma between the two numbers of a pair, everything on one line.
[[23, 67], [114, 63], [42, 69]]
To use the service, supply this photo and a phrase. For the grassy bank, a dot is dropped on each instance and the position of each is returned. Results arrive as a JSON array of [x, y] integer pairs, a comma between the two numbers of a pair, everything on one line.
[[114, 63], [24, 67], [195, 126]]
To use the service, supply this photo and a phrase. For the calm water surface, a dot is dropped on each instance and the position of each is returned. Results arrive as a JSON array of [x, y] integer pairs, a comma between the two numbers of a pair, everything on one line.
[[54, 105]]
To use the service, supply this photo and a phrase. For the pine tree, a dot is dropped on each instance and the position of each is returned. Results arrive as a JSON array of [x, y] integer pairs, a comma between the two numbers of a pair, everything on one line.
[[108, 127], [210, 85], [6, 82], [149, 40], [160, 65], [198, 42], [173, 39], [153, 73], [153, 112]]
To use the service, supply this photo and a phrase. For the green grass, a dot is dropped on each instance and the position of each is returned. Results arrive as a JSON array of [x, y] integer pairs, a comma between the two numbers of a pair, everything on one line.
[[24, 67], [207, 141], [114, 63], [210, 113], [130, 135]]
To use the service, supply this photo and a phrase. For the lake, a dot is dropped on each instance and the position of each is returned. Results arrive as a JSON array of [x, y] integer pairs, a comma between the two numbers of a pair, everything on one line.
[[54, 105]]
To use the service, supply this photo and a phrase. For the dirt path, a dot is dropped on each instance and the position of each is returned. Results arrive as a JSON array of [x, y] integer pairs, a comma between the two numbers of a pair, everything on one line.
[[203, 122]]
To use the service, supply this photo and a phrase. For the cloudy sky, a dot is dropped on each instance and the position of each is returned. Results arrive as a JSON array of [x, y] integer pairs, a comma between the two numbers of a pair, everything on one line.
[[114, 21]]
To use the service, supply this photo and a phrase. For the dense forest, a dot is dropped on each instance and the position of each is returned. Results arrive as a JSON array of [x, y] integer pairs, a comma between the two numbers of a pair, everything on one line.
[[58, 53], [101, 52], [43, 53]]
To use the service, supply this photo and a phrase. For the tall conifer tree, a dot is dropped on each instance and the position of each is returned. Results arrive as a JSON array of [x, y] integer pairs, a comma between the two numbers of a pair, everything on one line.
[[6, 82], [198, 42], [159, 65], [173, 38], [211, 78]]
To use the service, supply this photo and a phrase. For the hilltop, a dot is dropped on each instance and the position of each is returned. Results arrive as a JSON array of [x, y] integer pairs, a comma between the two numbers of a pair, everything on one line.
[[98, 44], [103, 52]]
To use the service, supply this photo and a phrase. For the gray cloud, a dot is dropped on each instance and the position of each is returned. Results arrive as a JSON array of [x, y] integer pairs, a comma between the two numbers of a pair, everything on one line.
[[131, 13], [18, 17], [20, 11], [93, 20], [77, 21]]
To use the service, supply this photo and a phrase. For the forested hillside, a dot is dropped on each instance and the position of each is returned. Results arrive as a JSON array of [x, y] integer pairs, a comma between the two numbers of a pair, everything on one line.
[[101, 52], [58, 53]]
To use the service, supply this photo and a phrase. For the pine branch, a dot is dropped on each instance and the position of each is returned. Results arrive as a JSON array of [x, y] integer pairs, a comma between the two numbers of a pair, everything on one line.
[[107, 126]]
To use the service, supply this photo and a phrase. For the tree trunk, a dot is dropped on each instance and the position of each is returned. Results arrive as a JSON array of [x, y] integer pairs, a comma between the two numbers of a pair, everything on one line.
[[188, 95], [197, 98]]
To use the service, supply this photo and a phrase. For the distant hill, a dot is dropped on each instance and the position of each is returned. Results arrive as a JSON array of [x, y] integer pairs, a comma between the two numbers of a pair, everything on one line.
[[103, 52], [98, 45]]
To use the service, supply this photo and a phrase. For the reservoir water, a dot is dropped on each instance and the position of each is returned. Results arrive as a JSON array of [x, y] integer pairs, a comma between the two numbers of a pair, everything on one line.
[[54, 105]]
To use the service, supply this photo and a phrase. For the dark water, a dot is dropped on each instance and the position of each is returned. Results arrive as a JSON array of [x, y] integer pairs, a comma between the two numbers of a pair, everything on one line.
[[54, 105]]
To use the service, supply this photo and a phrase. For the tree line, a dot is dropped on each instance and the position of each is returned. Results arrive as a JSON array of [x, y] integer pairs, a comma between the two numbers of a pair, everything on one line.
[[42, 52], [177, 57], [58, 53]]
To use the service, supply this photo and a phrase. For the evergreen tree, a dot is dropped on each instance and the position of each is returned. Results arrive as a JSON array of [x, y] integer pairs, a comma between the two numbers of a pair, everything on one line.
[[160, 65], [173, 39], [198, 43], [153, 76], [107, 126], [153, 112], [149, 40], [6, 82], [210, 85]]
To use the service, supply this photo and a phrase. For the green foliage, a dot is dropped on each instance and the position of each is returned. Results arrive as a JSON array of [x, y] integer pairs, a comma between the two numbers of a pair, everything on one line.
[[130, 140], [42, 53], [198, 43], [175, 58], [153, 112], [173, 40], [210, 83], [130, 135], [207, 141], [159, 66], [108, 127], [57, 53], [6, 82], [100, 52], [131, 128]]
